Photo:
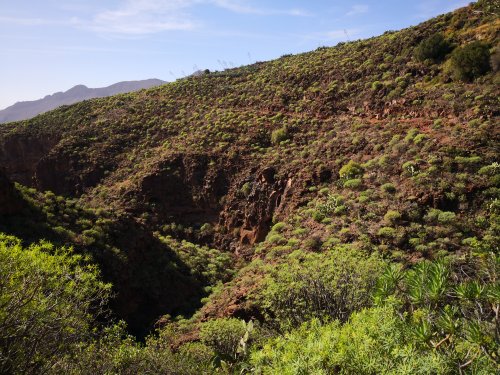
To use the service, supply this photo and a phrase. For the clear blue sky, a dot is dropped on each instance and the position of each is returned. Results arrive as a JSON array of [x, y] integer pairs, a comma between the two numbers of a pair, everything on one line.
[[52, 45]]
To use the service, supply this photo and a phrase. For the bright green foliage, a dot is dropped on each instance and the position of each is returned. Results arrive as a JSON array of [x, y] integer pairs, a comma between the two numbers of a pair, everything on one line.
[[452, 309], [470, 61], [310, 285], [224, 336], [432, 319], [169, 159], [351, 170], [278, 227], [434, 48], [377, 85], [115, 352], [442, 217], [353, 183], [373, 341], [48, 301], [387, 232], [334, 203]]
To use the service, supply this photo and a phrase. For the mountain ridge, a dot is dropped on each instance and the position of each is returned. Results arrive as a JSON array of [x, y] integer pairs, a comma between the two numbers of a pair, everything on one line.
[[27, 109]]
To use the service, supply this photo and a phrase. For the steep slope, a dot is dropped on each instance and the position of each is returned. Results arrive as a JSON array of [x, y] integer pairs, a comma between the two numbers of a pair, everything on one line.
[[29, 109], [361, 144]]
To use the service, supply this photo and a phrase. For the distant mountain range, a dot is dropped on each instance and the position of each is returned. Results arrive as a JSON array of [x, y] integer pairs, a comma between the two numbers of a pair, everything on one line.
[[29, 109]]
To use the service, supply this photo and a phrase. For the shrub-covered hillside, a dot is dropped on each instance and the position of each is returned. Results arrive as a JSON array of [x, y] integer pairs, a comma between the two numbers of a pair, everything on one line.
[[334, 212]]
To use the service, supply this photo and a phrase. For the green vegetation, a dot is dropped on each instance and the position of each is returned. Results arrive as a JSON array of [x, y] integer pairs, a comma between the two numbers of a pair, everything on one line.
[[224, 336], [310, 286], [350, 170], [374, 341], [279, 135], [471, 61], [434, 48], [49, 302], [333, 212]]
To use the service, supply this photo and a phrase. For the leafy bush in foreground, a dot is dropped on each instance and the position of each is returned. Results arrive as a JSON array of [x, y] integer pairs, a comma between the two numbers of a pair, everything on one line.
[[48, 301], [115, 352], [373, 341], [433, 319], [310, 285], [224, 336], [450, 308]]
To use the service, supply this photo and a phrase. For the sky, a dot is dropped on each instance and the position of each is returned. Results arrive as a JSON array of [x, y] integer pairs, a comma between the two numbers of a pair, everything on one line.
[[51, 45]]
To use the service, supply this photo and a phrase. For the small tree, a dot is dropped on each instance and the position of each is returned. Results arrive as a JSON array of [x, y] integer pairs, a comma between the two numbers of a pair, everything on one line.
[[470, 61], [433, 48]]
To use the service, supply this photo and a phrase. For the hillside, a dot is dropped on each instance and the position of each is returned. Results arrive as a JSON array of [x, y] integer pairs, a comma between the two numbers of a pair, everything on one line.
[[28, 109], [347, 197]]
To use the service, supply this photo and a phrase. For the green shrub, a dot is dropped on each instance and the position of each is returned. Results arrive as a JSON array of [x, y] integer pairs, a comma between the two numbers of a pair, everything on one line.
[[206, 229], [324, 191], [427, 320], [490, 170], [410, 168], [434, 48], [441, 217], [207, 265], [419, 138], [446, 217], [387, 232], [223, 336], [115, 352], [374, 341], [388, 188], [470, 61], [351, 170], [468, 160], [377, 85], [276, 238], [321, 285], [246, 189], [278, 227], [333, 203], [446, 305], [318, 216], [279, 135], [353, 183], [392, 216]]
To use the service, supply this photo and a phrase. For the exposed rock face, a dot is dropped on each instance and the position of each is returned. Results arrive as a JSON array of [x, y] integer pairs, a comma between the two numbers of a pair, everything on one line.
[[41, 163], [10, 203], [249, 219], [194, 189], [19, 156], [187, 188]]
